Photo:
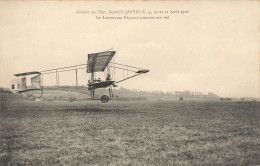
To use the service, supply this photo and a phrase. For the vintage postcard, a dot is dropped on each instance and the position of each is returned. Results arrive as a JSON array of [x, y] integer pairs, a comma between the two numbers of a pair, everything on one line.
[[129, 82]]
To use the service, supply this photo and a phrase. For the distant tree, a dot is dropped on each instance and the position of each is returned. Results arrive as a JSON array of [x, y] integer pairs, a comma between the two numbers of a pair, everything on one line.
[[2, 90]]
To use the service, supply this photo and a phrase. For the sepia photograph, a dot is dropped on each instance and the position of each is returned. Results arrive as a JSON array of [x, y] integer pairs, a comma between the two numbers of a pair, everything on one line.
[[129, 83]]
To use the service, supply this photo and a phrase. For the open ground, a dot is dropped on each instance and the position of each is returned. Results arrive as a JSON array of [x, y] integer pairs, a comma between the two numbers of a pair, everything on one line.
[[128, 132]]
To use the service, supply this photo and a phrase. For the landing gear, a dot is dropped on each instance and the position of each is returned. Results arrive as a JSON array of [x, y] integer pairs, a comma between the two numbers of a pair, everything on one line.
[[104, 99], [92, 93], [110, 92]]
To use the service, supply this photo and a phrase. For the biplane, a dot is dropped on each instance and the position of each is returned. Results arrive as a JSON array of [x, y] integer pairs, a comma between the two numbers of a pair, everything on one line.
[[97, 62]]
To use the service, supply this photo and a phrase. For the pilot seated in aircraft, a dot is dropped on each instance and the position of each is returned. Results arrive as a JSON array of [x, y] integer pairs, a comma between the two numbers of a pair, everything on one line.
[[108, 77]]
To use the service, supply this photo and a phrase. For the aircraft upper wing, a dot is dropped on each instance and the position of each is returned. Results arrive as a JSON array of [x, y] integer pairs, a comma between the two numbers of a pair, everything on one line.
[[99, 61]]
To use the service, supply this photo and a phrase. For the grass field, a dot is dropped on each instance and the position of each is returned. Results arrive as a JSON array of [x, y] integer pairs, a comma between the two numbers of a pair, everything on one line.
[[128, 132]]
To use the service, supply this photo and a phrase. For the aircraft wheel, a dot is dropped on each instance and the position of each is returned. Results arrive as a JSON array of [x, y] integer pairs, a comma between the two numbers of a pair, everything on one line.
[[104, 99]]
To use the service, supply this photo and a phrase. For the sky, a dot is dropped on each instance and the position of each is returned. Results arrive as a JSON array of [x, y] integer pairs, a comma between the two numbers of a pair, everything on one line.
[[212, 48]]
